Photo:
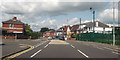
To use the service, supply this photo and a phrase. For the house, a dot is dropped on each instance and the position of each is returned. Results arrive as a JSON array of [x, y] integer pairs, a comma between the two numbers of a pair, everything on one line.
[[64, 31], [13, 27], [99, 27], [78, 27], [74, 28], [50, 33]]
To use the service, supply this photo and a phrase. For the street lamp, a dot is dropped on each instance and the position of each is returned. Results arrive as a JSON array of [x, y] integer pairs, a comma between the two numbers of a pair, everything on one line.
[[93, 21], [113, 24]]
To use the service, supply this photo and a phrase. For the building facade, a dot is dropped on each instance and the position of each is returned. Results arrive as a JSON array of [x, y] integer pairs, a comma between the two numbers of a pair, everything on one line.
[[13, 27]]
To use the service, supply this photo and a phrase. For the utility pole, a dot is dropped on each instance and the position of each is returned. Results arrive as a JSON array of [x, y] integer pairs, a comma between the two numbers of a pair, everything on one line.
[[113, 24], [80, 25], [80, 28], [93, 21]]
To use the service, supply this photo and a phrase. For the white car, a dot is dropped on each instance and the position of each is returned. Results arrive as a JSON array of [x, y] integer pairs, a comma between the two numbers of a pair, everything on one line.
[[49, 38]]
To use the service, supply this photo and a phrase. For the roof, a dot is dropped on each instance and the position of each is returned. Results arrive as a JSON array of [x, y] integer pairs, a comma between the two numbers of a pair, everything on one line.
[[74, 27], [12, 21], [52, 31], [65, 28], [100, 24]]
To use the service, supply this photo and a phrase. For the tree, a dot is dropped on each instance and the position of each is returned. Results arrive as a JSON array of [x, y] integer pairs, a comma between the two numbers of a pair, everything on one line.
[[28, 30], [44, 29]]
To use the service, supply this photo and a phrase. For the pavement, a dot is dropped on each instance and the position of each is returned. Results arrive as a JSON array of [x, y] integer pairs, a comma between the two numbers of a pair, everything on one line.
[[67, 49]]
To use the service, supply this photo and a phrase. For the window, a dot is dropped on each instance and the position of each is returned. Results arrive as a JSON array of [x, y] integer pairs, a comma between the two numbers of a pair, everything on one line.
[[89, 28], [11, 25]]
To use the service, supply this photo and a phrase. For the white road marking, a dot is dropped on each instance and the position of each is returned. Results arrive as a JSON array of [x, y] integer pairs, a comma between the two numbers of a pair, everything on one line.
[[36, 53], [40, 44], [46, 46], [100, 48], [116, 53], [83, 54], [87, 44], [72, 46]]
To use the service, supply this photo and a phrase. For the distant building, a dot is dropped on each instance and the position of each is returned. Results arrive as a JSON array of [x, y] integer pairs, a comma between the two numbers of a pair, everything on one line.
[[50, 33], [99, 27], [13, 27], [86, 28], [64, 31]]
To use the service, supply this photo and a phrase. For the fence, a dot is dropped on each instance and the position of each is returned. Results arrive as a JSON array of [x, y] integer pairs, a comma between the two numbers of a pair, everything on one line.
[[98, 37]]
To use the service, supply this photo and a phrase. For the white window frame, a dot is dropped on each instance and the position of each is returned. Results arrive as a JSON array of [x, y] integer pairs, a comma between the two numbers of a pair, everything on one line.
[[11, 26]]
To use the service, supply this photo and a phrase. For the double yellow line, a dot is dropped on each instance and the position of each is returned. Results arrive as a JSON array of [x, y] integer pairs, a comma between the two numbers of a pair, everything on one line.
[[17, 54]]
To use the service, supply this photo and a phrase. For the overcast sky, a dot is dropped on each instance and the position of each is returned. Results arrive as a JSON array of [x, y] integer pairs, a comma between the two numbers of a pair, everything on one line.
[[54, 13]]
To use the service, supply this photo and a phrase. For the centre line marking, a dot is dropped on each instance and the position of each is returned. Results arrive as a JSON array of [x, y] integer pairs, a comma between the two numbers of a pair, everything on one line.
[[72, 46], [40, 44], [116, 53], [36, 53], [83, 54], [46, 46], [100, 48]]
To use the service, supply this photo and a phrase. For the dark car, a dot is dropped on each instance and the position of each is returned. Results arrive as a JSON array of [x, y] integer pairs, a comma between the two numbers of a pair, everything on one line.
[[62, 38]]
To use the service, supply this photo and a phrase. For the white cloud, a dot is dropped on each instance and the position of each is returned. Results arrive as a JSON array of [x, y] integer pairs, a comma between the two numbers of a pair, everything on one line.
[[73, 21], [45, 23], [107, 16], [31, 12]]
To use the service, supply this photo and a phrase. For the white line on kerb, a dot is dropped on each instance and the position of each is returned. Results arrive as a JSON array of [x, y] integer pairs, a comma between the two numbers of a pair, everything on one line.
[[46, 46], [36, 53], [110, 49], [72, 46], [83, 53]]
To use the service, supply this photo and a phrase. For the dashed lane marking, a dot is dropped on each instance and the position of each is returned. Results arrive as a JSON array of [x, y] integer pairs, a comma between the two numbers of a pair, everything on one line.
[[36, 53], [72, 46], [83, 54], [40, 44], [116, 53], [46, 46], [100, 48]]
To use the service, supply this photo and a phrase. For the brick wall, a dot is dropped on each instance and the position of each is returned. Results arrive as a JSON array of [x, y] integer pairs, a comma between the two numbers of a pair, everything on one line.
[[14, 26], [8, 37], [18, 25], [5, 25], [18, 30]]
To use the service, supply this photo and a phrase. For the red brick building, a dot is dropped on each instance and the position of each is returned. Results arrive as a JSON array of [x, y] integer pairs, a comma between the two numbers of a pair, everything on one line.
[[13, 26], [50, 33]]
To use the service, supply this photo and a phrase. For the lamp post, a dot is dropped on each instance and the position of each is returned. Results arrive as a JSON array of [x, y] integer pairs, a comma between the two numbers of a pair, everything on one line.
[[93, 21], [113, 24]]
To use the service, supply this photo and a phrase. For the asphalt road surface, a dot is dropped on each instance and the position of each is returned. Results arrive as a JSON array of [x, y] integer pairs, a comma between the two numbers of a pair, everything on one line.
[[68, 49]]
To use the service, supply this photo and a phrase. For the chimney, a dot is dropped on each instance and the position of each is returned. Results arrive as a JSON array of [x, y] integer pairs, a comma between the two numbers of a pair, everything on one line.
[[14, 18]]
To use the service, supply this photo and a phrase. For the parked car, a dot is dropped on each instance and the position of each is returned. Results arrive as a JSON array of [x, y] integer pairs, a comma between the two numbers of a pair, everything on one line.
[[49, 38], [62, 38]]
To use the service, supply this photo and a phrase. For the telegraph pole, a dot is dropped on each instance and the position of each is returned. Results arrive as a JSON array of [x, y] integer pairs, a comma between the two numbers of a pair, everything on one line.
[[113, 24], [80, 25], [93, 21], [80, 28]]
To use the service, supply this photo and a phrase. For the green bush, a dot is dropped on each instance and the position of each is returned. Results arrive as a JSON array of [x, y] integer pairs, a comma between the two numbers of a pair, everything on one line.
[[73, 35]]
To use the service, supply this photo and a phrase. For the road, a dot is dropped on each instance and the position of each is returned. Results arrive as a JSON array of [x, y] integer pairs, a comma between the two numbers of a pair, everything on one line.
[[68, 49]]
